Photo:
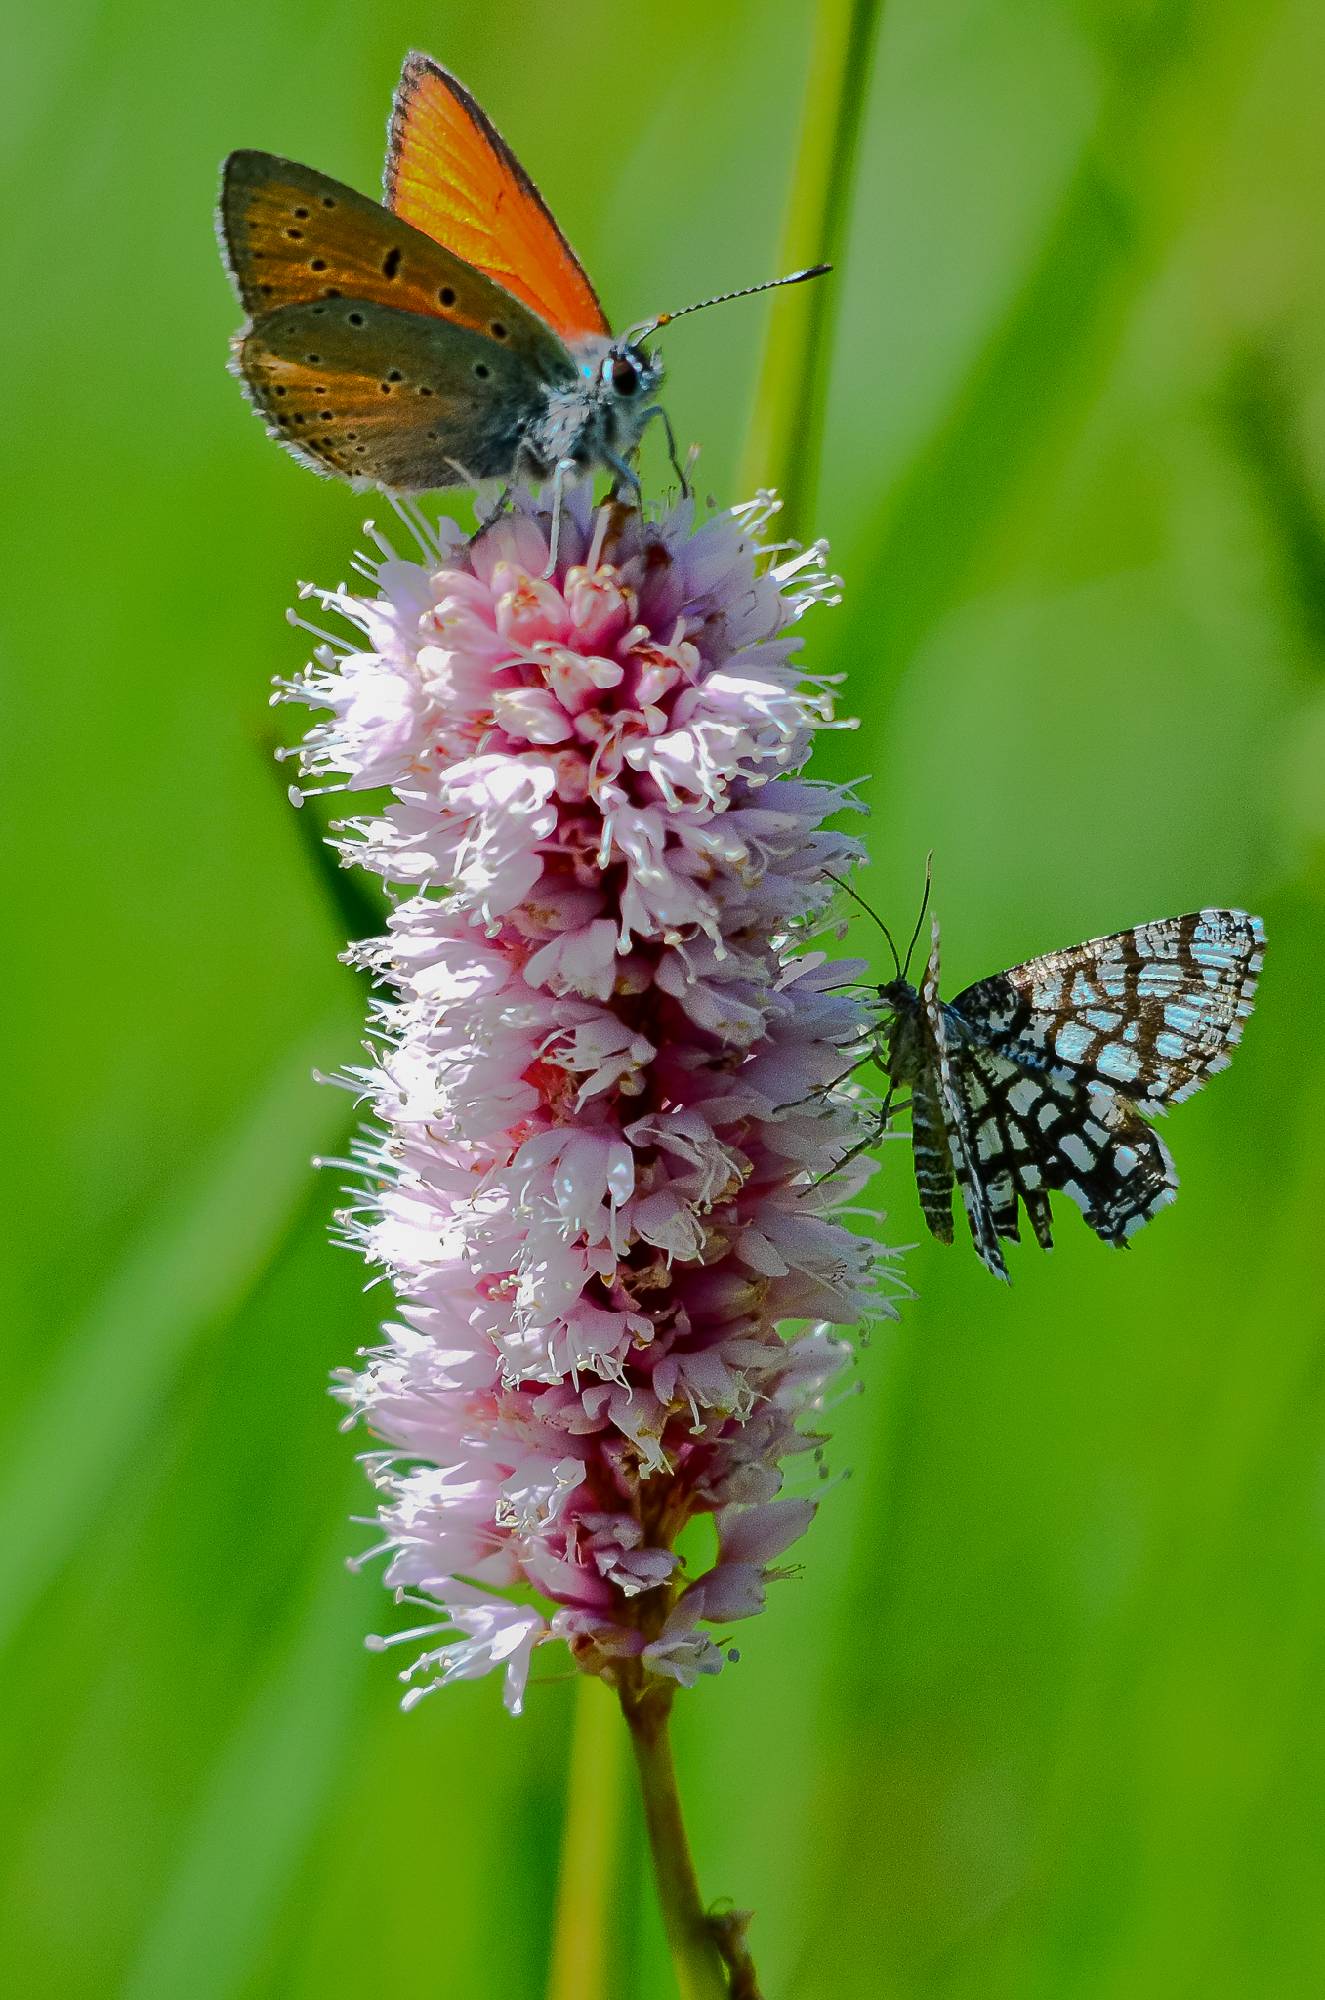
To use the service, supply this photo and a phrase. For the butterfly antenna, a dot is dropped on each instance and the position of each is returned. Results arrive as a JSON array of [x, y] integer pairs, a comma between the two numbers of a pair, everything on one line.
[[869, 912], [648, 326], [924, 905]]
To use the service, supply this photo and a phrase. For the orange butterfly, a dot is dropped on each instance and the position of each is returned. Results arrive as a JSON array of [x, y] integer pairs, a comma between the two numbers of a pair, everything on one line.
[[448, 337]]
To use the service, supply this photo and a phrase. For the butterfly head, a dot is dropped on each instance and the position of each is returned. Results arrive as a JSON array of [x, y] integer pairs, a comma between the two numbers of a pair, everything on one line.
[[605, 414], [628, 374], [627, 378]]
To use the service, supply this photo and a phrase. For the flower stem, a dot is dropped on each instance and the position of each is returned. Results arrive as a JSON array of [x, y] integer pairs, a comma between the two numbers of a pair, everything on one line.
[[783, 446], [700, 1957], [590, 1850]]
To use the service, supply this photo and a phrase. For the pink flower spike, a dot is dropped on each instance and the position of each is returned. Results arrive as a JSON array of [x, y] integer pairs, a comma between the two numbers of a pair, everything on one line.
[[608, 1071]]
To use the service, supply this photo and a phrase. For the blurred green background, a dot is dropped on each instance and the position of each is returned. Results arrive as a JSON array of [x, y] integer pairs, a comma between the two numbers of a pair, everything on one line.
[[1043, 1715]]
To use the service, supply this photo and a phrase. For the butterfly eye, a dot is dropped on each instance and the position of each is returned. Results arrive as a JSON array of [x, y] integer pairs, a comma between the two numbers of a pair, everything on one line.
[[625, 376]]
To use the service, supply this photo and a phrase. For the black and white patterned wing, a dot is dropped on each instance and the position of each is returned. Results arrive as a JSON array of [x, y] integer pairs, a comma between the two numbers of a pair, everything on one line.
[[1148, 1013], [941, 1122], [1034, 1133]]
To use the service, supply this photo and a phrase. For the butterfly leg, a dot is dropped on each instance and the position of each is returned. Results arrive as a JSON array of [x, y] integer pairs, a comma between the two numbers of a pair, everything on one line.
[[503, 501], [626, 475], [499, 507], [560, 470], [666, 422]]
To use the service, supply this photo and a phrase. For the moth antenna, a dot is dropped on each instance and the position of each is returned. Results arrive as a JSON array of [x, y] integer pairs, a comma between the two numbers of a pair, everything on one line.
[[924, 905], [869, 912], [647, 326]]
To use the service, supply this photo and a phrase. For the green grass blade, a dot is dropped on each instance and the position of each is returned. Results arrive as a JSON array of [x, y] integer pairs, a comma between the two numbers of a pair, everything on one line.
[[265, 1796], [786, 423], [588, 1889], [206, 1252]]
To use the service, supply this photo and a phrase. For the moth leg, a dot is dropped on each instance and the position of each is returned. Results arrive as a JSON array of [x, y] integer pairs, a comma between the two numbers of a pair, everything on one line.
[[823, 1089], [873, 1138], [853, 1153]]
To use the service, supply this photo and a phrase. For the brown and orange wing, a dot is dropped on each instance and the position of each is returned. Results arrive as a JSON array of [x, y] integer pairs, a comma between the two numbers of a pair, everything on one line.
[[373, 393], [450, 173], [294, 236]]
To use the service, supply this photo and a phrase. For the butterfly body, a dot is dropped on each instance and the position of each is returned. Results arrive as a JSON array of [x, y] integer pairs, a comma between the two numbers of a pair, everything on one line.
[[1033, 1081], [447, 337]]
